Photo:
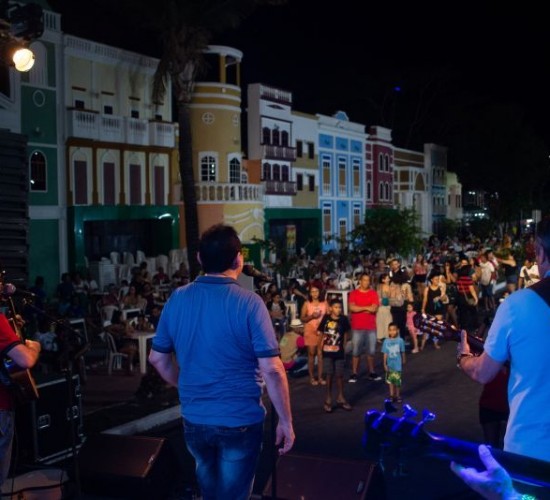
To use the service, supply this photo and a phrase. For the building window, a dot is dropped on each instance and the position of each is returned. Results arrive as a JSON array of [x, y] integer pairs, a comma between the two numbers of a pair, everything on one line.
[[343, 232], [387, 162], [369, 190], [381, 191], [356, 169], [107, 110], [134, 113], [284, 138], [327, 220], [342, 185], [311, 182], [299, 149], [109, 187], [380, 162], [299, 182], [285, 174], [79, 104], [276, 138], [135, 184], [326, 174], [276, 172], [266, 136], [310, 150], [208, 169], [38, 172], [80, 183], [234, 171], [266, 172], [387, 191], [159, 189]]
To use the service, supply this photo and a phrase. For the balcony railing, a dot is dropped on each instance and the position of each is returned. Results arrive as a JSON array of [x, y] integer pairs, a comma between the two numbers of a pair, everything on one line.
[[278, 152], [162, 134], [280, 187], [228, 192], [114, 128]]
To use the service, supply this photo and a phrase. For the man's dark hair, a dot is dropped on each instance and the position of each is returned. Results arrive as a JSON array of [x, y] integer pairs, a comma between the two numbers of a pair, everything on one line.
[[335, 301], [218, 248]]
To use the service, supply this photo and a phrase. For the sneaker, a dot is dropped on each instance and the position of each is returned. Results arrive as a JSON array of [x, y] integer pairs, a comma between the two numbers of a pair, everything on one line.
[[352, 378], [375, 377]]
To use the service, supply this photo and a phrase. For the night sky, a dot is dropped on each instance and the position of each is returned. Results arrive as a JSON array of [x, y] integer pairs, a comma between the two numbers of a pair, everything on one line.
[[415, 67]]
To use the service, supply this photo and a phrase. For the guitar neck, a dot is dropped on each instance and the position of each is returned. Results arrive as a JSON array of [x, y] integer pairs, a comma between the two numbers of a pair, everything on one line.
[[442, 329], [411, 438]]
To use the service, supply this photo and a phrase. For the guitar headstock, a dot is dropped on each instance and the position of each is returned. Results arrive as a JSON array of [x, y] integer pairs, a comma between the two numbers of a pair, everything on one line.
[[436, 327], [381, 428]]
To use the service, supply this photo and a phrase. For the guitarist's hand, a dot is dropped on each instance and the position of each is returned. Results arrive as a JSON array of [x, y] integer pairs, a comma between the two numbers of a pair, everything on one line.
[[494, 483]]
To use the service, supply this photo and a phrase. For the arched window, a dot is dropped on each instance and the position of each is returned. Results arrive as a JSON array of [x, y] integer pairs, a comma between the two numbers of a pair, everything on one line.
[[284, 138], [381, 191], [387, 162], [38, 177], [276, 172], [276, 138], [234, 170], [380, 162], [266, 136], [266, 172], [285, 173], [208, 169], [387, 190]]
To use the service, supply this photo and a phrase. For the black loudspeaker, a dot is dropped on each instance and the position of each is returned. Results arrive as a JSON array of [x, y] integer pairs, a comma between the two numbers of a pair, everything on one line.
[[306, 477], [127, 466]]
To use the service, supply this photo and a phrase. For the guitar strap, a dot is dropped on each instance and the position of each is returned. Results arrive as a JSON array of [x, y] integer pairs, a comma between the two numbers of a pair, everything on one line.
[[542, 287]]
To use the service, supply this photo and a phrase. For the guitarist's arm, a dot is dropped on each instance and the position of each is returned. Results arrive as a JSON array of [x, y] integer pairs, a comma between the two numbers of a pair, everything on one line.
[[25, 355], [480, 368]]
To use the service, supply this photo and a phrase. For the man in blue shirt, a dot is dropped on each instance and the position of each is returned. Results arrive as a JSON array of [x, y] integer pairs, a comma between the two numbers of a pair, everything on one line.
[[212, 338]]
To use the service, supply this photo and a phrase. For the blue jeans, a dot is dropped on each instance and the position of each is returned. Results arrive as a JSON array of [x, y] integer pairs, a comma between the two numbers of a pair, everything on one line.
[[225, 458], [7, 422]]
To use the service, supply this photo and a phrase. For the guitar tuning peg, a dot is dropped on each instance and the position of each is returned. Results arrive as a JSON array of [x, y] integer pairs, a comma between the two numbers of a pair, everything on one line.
[[427, 416], [409, 411]]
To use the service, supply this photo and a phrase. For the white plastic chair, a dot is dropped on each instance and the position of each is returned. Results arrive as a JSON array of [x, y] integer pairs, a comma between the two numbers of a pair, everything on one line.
[[115, 357], [140, 257]]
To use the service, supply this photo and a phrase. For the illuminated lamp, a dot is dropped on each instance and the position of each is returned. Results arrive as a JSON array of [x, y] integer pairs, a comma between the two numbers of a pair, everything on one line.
[[23, 59]]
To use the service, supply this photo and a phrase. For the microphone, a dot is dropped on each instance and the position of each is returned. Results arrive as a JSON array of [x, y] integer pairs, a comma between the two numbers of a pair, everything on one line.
[[10, 289], [251, 271]]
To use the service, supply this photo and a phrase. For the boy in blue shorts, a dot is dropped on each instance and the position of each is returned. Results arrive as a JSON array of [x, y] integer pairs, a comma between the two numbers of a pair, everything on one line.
[[334, 328], [393, 349]]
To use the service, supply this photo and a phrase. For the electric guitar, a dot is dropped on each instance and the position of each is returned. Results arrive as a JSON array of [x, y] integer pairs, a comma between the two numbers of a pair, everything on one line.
[[408, 437], [20, 380], [441, 329]]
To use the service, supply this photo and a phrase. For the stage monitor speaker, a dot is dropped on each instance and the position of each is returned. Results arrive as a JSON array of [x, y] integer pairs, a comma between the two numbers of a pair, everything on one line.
[[136, 467], [307, 477]]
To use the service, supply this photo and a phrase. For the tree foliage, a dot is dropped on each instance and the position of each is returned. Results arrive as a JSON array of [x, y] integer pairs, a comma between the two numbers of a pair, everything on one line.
[[388, 230]]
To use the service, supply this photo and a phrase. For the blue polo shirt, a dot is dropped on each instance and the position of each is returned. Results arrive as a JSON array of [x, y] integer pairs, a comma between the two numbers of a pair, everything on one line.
[[217, 330], [520, 333]]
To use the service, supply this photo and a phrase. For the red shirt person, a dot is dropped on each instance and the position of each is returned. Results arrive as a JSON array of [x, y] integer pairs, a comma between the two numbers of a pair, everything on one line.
[[363, 304]]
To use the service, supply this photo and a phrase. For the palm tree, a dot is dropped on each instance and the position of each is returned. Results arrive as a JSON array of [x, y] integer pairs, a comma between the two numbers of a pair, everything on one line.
[[186, 28]]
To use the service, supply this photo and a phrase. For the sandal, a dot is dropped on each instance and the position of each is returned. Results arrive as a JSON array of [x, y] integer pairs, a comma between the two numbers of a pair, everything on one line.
[[328, 407], [313, 381], [344, 405], [322, 381]]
